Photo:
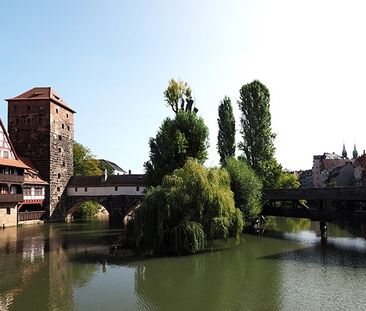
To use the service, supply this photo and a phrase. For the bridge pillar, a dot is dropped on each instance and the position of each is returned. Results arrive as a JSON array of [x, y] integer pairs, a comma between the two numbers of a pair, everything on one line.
[[323, 230]]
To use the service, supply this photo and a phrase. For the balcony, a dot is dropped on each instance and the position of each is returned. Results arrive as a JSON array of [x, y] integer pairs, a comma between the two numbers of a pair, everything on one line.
[[35, 215], [14, 179], [6, 198]]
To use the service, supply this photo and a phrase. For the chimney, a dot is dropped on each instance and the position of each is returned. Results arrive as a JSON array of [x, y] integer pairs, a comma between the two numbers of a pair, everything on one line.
[[129, 172]]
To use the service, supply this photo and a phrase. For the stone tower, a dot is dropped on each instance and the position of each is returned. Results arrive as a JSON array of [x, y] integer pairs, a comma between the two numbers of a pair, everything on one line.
[[41, 128]]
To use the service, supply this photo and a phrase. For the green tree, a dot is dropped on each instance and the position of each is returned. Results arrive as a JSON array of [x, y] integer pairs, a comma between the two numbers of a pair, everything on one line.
[[193, 206], [288, 180], [85, 163], [246, 186], [226, 135], [103, 165], [257, 145], [178, 96], [177, 139]]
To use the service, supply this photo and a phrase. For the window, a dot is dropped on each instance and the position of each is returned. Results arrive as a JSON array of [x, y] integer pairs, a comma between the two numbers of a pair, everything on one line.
[[58, 175], [38, 191], [27, 191], [6, 154], [63, 163], [59, 137], [8, 210], [15, 108], [56, 110], [86, 189], [28, 108], [63, 126], [68, 127], [137, 188], [58, 189], [28, 121], [67, 115], [116, 188], [40, 120], [76, 189], [59, 150]]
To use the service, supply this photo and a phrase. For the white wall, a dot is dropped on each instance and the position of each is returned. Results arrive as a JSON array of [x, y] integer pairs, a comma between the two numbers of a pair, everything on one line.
[[101, 191]]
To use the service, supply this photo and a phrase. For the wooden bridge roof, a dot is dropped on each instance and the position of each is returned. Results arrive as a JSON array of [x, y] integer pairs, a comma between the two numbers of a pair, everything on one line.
[[335, 193], [111, 181]]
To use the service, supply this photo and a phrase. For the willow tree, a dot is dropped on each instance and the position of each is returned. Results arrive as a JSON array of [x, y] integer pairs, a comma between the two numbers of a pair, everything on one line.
[[257, 145], [226, 135], [193, 206]]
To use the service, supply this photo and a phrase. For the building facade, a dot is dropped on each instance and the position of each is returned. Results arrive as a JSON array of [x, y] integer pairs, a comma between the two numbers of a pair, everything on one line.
[[41, 128], [11, 180]]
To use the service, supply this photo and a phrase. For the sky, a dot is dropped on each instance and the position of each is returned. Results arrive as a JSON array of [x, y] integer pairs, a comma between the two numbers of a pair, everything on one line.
[[111, 61]]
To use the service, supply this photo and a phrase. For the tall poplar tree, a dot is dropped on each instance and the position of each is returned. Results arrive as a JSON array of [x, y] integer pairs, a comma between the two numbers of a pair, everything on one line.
[[257, 145], [226, 135]]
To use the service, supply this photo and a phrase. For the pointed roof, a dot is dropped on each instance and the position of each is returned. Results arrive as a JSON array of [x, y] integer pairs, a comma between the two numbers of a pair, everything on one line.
[[15, 161], [344, 152], [38, 93]]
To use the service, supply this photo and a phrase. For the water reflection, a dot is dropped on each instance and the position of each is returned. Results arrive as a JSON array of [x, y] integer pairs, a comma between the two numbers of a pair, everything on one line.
[[70, 267]]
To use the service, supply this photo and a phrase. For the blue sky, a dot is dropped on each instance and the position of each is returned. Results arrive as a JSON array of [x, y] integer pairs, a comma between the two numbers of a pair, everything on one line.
[[111, 61]]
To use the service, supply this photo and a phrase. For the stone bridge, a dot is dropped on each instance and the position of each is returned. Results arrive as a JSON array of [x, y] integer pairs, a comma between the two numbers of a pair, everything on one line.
[[119, 194]]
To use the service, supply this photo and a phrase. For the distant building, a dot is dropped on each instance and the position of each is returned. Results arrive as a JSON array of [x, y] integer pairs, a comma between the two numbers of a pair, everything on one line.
[[342, 175], [323, 164], [306, 178], [116, 170]]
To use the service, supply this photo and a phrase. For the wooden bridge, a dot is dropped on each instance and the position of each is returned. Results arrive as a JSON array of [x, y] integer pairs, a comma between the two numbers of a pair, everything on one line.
[[317, 204]]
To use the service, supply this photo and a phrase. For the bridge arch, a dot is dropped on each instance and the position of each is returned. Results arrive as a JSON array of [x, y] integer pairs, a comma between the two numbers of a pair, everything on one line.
[[117, 206]]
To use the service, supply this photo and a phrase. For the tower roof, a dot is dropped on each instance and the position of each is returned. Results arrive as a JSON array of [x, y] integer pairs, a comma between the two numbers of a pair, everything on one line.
[[39, 93]]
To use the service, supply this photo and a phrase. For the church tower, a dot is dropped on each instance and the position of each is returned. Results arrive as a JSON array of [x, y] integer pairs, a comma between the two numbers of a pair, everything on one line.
[[41, 128], [344, 152], [355, 153]]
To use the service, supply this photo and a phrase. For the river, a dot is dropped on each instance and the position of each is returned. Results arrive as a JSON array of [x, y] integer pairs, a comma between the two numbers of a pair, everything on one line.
[[70, 266]]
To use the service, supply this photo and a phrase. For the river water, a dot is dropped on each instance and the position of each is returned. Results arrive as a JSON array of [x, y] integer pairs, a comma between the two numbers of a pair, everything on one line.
[[70, 267]]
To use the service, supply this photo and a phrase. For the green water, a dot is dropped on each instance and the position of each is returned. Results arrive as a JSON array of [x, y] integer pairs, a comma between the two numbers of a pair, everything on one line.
[[70, 267]]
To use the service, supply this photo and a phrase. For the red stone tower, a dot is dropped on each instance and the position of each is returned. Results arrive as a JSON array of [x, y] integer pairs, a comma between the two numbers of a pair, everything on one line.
[[41, 128]]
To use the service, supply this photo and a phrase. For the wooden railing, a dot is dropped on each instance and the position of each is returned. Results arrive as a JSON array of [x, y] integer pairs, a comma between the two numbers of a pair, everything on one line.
[[5, 178], [6, 198], [35, 215]]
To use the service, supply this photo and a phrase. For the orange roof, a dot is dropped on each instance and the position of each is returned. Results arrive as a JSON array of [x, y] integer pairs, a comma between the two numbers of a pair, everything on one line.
[[13, 163], [38, 93]]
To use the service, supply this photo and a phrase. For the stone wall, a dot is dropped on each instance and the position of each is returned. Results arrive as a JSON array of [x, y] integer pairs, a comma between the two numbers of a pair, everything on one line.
[[8, 220], [61, 153], [43, 131]]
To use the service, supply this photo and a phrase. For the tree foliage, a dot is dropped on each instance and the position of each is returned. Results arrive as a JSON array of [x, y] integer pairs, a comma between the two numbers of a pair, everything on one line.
[[288, 180], [178, 96], [226, 136], [85, 163], [177, 139], [257, 145], [193, 206], [246, 186]]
